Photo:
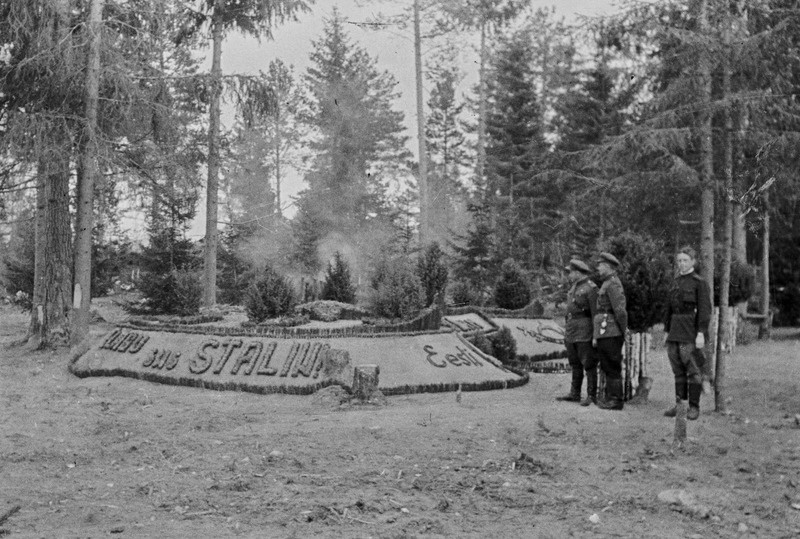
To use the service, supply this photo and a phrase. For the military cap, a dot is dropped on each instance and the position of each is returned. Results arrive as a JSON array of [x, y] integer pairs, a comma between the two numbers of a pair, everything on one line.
[[579, 265], [609, 258]]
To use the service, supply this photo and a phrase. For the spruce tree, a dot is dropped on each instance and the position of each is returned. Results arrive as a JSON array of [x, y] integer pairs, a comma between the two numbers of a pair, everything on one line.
[[516, 149], [432, 272], [352, 112], [338, 284], [447, 152]]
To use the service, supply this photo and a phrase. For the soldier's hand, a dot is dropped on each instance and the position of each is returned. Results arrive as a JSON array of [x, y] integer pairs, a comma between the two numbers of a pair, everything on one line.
[[594, 343], [700, 341]]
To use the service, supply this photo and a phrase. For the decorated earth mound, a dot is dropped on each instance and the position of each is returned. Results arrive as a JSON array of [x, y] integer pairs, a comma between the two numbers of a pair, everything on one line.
[[294, 361]]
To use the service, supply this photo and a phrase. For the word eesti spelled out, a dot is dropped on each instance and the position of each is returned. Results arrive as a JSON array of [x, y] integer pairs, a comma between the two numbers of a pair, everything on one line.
[[242, 356]]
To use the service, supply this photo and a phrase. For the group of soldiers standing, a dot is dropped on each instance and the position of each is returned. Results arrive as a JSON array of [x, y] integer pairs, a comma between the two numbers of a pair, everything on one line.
[[597, 321]]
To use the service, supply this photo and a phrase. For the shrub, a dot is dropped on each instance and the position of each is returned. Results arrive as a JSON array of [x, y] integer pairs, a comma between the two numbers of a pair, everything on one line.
[[270, 296], [743, 280], [168, 279], [432, 272], [338, 285], [110, 260], [177, 292], [235, 273], [17, 260], [504, 346], [646, 272], [462, 293], [482, 343], [397, 290], [511, 290]]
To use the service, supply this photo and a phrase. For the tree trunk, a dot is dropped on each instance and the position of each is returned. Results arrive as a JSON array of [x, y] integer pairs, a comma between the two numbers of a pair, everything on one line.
[[764, 330], [742, 123], [724, 325], [482, 111], [82, 267], [424, 192], [212, 189], [40, 248], [50, 315], [706, 165], [52, 267]]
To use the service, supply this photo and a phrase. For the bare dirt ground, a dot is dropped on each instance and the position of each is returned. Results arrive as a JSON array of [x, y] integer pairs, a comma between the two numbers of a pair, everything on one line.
[[103, 457]]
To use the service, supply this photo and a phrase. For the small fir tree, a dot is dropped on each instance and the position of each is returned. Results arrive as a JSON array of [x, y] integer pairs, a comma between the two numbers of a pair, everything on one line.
[[504, 346], [432, 272], [338, 285], [646, 273], [511, 291], [397, 290], [270, 296]]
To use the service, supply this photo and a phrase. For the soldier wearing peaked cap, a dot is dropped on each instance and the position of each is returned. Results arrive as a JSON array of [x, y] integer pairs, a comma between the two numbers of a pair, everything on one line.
[[581, 303], [610, 323]]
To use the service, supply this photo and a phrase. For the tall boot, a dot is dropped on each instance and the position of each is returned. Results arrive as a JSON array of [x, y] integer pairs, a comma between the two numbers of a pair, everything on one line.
[[614, 395], [591, 387], [574, 394], [695, 390], [681, 394]]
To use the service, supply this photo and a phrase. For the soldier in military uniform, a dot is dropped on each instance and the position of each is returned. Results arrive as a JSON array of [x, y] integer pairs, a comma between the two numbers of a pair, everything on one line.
[[581, 303], [686, 326], [610, 323]]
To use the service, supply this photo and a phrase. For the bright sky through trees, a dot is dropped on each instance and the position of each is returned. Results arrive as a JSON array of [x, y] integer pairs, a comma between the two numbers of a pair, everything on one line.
[[393, 49]]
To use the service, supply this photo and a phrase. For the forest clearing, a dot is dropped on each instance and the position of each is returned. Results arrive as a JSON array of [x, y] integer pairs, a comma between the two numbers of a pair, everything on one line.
[[108, 455]]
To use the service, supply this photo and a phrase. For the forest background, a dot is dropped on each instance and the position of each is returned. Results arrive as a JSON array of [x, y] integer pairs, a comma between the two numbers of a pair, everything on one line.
[[658, 125]]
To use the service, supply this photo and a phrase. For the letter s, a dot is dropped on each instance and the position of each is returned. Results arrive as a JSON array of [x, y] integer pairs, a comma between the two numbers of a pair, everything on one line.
[[203, 361]]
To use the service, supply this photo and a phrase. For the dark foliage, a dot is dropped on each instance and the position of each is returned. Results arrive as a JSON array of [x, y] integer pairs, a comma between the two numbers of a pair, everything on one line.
[[111, 260], [646, 273], [511, 290], [397, 290], [462, 293], [16, 260], [270, 296], [504, 346], [169, 264], [482, 343], [338, 285], [432, 272], [743, 281], [234, 273]]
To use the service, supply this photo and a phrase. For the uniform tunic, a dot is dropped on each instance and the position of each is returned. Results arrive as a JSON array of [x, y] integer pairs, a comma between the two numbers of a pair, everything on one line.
[[688, 310], [610, 309], [581, 305]]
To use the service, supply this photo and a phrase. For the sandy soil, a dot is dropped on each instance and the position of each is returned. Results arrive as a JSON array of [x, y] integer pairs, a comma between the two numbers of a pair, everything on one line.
[[103, 457]]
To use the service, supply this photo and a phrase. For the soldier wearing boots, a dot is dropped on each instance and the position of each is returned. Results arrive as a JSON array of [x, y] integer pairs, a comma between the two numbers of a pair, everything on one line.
[[686, 327], [610, 323], [581, 304]]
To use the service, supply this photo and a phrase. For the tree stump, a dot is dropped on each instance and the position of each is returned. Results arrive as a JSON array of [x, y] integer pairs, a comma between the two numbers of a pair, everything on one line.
[[365, 382]]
